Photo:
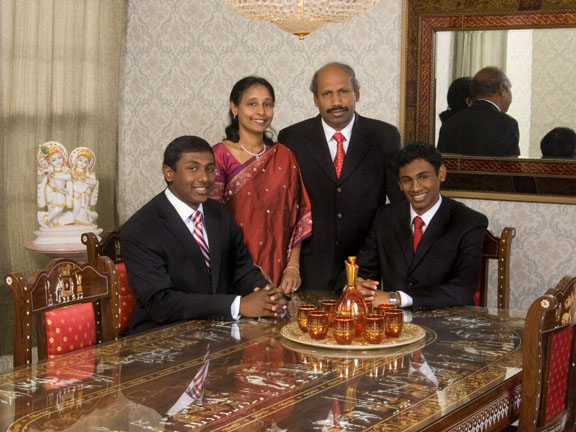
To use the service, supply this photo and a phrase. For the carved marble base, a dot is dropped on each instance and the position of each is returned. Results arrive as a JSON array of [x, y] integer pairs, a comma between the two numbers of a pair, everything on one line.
[[64, 235], [62, 242]]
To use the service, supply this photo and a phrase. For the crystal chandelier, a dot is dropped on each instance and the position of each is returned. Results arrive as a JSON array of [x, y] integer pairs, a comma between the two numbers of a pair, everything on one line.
[[300, 17]]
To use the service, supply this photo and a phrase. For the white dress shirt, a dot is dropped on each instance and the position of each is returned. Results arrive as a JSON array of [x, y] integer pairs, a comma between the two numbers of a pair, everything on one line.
[[426, 217], [184, 211], [329, 132]]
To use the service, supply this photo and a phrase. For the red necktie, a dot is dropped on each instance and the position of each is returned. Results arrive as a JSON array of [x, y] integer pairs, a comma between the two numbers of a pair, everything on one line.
[[339, 159], [198, 234], [418, 224]]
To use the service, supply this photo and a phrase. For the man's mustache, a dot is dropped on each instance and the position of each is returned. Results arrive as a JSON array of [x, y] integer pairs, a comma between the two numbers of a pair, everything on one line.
[[337, 107]]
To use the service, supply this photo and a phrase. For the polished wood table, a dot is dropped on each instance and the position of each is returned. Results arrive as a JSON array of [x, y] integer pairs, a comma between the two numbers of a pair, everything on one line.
[[220, 376]]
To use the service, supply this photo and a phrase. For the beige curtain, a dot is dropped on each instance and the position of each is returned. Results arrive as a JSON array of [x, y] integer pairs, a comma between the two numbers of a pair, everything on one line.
[[59, 80], [474, 50]]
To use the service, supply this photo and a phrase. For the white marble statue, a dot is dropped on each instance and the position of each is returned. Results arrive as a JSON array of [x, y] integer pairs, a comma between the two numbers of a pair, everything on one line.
[[67, 194], [85, 186]]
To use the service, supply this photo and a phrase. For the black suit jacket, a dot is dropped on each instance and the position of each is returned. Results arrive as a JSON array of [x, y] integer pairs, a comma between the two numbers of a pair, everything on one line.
[[445, 269], [480, 130], [342, 208], [166, 269]]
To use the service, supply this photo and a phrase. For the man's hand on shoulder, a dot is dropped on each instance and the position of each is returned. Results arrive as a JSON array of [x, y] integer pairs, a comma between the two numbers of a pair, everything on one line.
[[262, 302]]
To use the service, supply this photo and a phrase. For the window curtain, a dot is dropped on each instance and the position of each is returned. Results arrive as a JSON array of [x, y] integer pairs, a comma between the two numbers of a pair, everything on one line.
[[59, 80], [474, 50]]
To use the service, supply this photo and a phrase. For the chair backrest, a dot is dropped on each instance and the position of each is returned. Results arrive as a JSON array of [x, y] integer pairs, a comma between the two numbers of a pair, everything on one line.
[[549, 361], [497, 248], [110, 247], [74, 305]]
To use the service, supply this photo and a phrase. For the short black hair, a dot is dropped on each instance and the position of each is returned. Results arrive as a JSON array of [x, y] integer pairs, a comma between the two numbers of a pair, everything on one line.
[[184, 144], [419, 150], [560, 142]]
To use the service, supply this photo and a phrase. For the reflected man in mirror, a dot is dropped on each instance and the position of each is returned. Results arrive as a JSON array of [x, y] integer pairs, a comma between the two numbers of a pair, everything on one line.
[[184, 254], [483, 129], [560, 142], [426, 250]]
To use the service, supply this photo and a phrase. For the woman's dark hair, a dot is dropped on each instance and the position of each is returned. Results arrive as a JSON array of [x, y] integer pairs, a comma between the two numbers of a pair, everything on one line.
[[560, 142], [458, 92], [232, 130]]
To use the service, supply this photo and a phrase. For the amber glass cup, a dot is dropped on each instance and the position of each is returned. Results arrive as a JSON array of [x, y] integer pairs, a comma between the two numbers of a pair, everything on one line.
[[373, 328], [317, 324], [303, 311], [329, 306], [394, 322], [344, 329], [369, 308], [382, 308]]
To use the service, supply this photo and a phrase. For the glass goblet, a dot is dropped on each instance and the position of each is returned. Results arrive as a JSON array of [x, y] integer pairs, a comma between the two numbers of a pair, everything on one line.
[[329, 306], [394, 322], [344, 329], [317, 324], [373, 328], [303, 311]]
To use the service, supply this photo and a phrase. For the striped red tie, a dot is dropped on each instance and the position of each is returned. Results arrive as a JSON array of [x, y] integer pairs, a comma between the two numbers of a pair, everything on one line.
[[339, 158], [198, 234]]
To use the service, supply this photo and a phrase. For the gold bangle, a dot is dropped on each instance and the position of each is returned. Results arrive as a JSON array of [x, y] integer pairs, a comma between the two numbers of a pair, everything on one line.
[[292, 267]]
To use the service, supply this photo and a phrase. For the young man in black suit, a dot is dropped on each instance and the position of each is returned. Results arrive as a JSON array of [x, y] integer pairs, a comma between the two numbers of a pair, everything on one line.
[[345, 186], [483, 129], [426, 250], [182, 269]]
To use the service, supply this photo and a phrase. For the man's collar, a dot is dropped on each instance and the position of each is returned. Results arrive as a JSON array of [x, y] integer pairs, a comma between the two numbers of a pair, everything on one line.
[[183, 209], [329, 131], [427, 217], [490, 102]]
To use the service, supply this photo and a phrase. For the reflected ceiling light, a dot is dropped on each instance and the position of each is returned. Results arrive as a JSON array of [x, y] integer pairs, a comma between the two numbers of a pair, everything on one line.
[[300, 17]]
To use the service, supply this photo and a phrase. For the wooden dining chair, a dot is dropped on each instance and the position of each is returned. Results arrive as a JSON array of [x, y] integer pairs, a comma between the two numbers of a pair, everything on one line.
[[74, 306], [110, 247], [496, 248], [549, 361]]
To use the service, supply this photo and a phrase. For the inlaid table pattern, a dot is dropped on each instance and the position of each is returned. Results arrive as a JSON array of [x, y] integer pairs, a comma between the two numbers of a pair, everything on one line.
[[223, 376]]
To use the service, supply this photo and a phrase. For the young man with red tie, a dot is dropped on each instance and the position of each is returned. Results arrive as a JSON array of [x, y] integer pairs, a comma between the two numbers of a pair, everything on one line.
[[426, 250], [184, 254]]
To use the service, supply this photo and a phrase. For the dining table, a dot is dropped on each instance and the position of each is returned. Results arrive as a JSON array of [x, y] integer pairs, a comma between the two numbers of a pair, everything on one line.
[[463, 374]]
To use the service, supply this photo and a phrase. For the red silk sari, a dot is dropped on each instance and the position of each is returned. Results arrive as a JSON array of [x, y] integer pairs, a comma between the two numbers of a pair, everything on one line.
[[267, 196]]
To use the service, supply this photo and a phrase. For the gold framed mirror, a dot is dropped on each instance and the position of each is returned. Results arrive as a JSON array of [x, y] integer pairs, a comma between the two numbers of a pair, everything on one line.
[[518, 179]]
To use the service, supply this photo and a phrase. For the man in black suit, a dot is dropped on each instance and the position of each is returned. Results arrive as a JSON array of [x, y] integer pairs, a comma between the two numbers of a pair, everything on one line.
[[180, 269], [483, 129], [343, 202], [426, 250]]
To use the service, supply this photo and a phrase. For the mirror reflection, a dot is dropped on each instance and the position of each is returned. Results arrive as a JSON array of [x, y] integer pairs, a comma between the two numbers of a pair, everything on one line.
[[538, 64]]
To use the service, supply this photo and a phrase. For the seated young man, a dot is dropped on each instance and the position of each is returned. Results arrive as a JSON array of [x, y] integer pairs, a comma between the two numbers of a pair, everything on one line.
[[426, 250], [184, 255]]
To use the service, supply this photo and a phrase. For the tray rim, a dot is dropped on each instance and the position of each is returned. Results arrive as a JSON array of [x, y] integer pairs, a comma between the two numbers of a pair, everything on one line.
[[320, 344]]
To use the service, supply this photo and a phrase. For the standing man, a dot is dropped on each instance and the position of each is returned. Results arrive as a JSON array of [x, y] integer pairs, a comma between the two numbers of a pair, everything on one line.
[[345, 163], [484, 129]]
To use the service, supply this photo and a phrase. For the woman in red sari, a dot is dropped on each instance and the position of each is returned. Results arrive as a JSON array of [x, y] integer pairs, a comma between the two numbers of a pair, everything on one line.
[[260, 182]]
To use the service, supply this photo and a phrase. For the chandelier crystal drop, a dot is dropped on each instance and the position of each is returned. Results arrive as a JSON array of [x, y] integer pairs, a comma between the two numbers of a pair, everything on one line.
[[300, 17]]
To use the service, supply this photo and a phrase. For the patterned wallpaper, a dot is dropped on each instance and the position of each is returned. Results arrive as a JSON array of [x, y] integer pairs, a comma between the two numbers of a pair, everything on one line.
[[543, 250], [181, 59]]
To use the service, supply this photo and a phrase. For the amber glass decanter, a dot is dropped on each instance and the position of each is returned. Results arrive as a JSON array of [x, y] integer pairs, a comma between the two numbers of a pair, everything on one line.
[[351, 301]]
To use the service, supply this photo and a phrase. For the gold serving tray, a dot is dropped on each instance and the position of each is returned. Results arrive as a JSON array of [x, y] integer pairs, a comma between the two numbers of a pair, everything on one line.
[[410, 333]]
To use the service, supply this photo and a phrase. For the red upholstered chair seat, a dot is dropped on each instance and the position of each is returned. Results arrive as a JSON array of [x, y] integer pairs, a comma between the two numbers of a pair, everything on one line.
[[558, 372], [69, 329], [127, 299]]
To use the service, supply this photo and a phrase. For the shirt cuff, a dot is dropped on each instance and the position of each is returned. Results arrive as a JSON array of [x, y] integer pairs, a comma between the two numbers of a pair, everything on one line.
[[235, 309], [406, 300]]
